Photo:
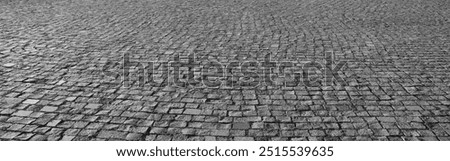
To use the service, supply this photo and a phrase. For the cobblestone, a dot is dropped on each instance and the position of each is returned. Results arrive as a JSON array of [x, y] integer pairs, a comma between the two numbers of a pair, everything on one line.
[[31, 101], [60, 61], [49, 109], [22, 113]]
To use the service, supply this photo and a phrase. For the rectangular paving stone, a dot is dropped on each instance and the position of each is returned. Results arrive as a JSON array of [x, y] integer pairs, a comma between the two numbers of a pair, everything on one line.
[[107, 134], [244, 139], [38, 137], [89, 133], [220, 132], [49, 109], [67, 138], [53, 123], [10, 135], [30, 101], [22, 113], [92, 106], [134, 136], [10, 102], [71, 99], [241, 125], [192, 111]]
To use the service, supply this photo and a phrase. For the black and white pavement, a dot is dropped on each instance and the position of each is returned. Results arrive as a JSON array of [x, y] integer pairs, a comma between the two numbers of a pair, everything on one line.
[[61, 64]]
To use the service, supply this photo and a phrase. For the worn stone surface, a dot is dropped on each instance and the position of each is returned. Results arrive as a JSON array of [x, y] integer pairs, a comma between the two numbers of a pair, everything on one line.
[[30, 101], [49, 108], [62, 62]]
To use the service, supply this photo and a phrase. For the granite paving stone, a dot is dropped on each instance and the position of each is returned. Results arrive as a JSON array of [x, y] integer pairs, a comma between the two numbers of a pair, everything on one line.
[[49, 109]]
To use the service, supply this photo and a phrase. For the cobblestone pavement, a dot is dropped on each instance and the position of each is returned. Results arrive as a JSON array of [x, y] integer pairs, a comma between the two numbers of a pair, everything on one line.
[[54, 55]]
